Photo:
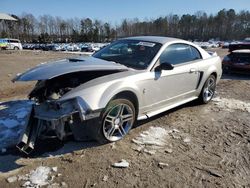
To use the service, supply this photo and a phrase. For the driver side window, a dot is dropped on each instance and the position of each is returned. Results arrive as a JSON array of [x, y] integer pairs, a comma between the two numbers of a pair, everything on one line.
[[178, 53]]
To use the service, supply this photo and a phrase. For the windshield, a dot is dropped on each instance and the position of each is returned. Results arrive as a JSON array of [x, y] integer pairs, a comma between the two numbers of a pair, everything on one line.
[[131, 53]]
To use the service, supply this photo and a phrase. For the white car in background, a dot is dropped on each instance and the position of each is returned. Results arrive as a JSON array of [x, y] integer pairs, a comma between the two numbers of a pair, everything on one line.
[[13, 44]]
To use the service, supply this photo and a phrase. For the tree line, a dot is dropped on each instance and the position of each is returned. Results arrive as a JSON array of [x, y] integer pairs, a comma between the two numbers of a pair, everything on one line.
[[224, 25]]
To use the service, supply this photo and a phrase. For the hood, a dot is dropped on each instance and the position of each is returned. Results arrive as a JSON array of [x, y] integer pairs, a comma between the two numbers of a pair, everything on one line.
[[51, 70]]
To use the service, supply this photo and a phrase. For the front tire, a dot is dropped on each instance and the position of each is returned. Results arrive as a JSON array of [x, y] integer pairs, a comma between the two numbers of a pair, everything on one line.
[[116, 120], [208, 90]]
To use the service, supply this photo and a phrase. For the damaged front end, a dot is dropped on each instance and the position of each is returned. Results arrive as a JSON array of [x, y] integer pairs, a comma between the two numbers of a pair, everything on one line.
[[55, 119], [53, 116]]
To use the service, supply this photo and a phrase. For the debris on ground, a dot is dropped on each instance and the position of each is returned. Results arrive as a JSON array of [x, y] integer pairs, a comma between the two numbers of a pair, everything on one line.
[[54, 185], [187, 140], [211, 172], [112, 145], [150, 152], [54, 169], [121, 164], [168, 150], [11, 179], [162, 165], [63, 184], [105, 178]]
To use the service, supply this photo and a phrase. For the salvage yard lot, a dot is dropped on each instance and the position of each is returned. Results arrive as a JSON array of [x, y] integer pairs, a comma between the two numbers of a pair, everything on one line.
[[192, 145]]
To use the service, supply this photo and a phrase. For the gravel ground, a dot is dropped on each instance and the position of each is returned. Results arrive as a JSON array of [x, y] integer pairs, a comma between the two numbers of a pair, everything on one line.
[[189, 146]]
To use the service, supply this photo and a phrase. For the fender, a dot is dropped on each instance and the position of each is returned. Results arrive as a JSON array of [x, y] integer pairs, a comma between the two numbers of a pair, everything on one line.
[[117, 88]]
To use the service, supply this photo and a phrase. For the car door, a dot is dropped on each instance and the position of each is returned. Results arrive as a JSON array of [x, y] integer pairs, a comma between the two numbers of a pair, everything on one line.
[[170, 86]]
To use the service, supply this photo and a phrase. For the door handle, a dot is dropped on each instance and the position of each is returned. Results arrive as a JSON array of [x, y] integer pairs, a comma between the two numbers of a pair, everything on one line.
[[192, 70]]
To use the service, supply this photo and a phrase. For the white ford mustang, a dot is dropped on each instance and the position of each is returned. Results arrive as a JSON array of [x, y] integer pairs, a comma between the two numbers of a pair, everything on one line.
[[131, 79]]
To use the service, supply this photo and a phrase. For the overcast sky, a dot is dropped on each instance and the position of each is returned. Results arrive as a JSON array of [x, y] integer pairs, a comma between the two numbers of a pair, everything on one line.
[[114, 11]]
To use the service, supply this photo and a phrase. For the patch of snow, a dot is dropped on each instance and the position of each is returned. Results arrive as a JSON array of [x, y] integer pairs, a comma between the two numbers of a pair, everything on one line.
[[36, 178], [153, 136], [39, 177], [26, 184], [232, 104], [122, 164], [153, 140]]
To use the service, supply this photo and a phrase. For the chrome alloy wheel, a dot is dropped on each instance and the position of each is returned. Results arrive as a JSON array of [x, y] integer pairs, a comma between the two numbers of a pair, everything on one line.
[[118, 122], [209, 89]]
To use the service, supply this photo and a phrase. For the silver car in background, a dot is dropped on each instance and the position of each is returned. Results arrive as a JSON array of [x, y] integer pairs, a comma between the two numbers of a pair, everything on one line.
[[131, 79]]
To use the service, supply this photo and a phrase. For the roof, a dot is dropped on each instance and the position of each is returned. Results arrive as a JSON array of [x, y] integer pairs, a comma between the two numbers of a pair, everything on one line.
[[157, 39], [4, 16]]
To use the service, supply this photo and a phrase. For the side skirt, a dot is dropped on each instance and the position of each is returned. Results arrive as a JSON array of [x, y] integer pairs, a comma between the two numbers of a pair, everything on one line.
[[158, 111]]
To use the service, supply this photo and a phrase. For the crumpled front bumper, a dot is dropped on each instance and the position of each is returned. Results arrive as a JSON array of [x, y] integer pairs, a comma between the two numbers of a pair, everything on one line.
[[55, 114], [55, 110]]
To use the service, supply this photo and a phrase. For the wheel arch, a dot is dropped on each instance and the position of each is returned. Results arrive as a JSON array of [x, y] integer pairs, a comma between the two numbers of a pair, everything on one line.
[[131, 96], [215, 75], [126, 93]]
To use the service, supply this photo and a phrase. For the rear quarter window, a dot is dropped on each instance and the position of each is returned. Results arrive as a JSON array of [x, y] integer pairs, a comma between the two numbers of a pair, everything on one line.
[[179, 53], [195, 53]]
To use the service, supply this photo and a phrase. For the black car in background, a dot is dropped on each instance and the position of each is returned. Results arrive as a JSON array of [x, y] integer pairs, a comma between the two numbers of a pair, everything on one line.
[[238, 60]]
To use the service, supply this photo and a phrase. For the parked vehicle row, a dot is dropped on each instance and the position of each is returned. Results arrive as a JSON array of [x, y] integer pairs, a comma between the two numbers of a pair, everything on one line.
[[72, 47]]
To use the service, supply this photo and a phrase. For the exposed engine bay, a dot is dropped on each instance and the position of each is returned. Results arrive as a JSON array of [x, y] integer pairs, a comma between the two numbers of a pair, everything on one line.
[[55, 88]]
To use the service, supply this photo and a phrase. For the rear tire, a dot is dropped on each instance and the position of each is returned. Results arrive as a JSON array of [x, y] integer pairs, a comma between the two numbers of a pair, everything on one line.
[[116, 120], [208, 90], [16, 48]]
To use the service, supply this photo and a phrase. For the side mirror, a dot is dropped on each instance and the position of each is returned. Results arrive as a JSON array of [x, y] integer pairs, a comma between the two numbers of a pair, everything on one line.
[[164, 66]]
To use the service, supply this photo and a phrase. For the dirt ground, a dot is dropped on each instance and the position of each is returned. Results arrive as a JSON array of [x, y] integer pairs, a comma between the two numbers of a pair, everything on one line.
[[205, 145]]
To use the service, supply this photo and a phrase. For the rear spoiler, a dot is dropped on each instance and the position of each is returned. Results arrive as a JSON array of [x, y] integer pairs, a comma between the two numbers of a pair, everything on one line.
[[241, 46]]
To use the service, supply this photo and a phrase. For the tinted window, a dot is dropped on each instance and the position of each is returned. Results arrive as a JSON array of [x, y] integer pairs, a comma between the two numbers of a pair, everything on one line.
[[237, 57], [196, 54], [131, 53], [13, 41], [179, 53]]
